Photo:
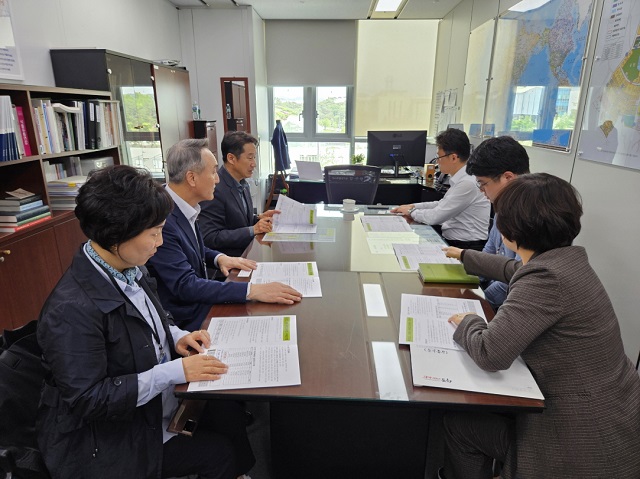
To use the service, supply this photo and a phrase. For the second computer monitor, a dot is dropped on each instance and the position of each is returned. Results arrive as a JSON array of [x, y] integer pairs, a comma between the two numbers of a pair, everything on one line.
[[396, 148]]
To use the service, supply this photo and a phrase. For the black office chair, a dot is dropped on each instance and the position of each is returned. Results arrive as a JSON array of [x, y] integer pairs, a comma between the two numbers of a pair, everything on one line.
[[357, 182], [21, 376]]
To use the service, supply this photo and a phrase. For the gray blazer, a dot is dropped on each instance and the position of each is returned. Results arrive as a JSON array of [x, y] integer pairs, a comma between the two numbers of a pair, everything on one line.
[[559, 318], [224, 223]]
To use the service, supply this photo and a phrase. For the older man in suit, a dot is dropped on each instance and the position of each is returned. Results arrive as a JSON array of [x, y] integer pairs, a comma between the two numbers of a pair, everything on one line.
[[227, 222], [180, 263]]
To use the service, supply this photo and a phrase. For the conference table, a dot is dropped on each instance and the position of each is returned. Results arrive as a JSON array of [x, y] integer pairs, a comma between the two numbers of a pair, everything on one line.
[[356, 412]]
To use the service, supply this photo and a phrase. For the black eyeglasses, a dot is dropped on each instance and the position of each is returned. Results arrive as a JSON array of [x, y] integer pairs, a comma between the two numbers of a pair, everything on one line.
[[437, 158]]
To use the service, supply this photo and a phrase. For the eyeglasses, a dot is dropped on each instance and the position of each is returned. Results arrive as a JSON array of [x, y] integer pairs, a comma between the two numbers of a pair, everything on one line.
[[437, 158], [482, 184]]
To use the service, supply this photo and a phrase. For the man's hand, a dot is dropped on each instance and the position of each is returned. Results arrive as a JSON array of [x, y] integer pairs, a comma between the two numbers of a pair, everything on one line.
[[402, 209], [193, 343], [274, 293], [264, 225], [202, 367], [268, 214], [452, 252], [226, 263]]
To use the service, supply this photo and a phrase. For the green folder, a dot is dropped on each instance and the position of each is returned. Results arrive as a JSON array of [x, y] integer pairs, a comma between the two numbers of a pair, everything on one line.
[[445, 273]]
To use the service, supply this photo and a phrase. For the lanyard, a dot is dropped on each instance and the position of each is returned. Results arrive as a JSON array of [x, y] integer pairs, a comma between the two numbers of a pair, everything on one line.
[[162, 355]]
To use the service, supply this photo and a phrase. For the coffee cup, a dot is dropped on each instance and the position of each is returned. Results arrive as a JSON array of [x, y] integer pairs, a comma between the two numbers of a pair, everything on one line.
[[348, 205]]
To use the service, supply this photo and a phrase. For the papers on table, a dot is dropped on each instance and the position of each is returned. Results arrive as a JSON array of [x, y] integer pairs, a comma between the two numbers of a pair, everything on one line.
[[446, 368], [423, 319], [260, 351], [427, 234], [438, 361], [322, 235], [382, 242], [302, 276], [385, 224], [294, 217], [410, 255]]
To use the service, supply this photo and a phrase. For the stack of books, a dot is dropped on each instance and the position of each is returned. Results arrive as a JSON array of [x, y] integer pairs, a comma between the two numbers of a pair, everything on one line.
[[9, 131], [63, 192], [19, 213]]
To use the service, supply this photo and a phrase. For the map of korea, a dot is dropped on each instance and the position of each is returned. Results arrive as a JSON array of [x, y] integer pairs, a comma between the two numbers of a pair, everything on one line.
[[623, 88]]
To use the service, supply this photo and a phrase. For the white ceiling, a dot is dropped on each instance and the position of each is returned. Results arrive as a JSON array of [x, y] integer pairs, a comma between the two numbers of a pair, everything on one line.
[[324, 9]]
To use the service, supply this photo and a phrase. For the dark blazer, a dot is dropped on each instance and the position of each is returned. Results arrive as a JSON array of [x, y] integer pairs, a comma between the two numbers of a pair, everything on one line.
[[559, 318], [224, 222], [179, 265], [95, 343], [280, 148]]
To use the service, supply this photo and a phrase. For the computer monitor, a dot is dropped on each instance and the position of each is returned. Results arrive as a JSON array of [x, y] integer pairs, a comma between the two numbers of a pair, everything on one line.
[[396, 148]]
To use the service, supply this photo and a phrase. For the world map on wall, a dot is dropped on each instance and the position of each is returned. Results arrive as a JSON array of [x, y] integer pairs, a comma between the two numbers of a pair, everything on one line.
[[551, 43]]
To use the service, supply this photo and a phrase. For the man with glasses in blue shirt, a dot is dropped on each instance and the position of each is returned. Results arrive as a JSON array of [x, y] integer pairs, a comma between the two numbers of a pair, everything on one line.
[[463, 212], [495, 162]]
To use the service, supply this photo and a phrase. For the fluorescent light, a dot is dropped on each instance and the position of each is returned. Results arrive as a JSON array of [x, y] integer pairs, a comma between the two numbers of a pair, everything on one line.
[[528, 5], [387, 5]]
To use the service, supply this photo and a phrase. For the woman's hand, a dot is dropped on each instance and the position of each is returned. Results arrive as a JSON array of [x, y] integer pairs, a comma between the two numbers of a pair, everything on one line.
[[193, 342], [456, 319], [203, 367], [452, 252]]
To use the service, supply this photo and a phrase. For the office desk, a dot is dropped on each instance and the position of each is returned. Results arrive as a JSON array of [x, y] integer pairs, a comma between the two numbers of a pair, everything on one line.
[[347, 418], [390, 191]]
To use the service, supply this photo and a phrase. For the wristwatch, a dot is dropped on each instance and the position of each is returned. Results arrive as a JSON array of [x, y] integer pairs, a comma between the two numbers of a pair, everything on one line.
[[411, 211]]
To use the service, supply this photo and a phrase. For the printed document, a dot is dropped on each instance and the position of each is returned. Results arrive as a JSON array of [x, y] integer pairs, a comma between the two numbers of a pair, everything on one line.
[[294, 217], [322, 235], [411, 255], [381, 242], [396, 224], [424, 319], [260, 351], [446, 368], [301, 276]]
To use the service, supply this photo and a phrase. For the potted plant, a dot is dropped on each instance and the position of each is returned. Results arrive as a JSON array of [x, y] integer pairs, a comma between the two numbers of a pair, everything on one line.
[[357, 159]]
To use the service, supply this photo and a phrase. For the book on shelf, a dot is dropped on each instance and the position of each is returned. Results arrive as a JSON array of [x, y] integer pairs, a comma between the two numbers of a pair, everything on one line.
[[12, 217], [44, 147], [23, 131], [4, 209], [26, 221], [16, 202], [260, 351], [445, 273], [9, 149], [13, 229], [68, 182]]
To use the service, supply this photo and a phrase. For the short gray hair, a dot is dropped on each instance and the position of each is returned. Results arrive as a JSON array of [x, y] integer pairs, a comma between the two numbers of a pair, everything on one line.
[[186, 155]]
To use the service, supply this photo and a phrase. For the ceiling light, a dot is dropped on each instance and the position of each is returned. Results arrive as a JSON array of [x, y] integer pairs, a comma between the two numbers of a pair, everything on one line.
[[387, 5], [528, 5]]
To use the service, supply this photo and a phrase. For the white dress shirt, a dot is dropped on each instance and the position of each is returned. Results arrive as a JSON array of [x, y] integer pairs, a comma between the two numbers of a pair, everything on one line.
[[463, 212]]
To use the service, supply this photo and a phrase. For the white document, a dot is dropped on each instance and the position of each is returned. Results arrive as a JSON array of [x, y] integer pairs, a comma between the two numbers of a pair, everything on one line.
[[322, 235], [260, 351], [424, 319], [410, 255], [294, 217], [446, 368], [382, 243], [302, 276], [386, 223]]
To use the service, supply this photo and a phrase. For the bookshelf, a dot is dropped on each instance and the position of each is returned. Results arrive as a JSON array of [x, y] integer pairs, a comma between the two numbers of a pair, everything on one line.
[[32, 260]]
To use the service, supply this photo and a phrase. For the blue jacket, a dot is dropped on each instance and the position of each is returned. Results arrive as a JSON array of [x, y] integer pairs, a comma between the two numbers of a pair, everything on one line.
[[94, 344], [280, 148], [496, 291], [224, 223], [179, 265]]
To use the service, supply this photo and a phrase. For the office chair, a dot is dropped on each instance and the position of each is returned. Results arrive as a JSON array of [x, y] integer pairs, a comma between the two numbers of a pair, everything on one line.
[[21, 376], [357, 182]]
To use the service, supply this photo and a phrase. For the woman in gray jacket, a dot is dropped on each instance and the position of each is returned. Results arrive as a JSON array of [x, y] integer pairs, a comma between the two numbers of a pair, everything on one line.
[[559, 318]]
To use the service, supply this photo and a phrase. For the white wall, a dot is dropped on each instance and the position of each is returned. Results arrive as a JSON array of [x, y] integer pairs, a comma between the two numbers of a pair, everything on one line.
[[144, 28], [611, 223]]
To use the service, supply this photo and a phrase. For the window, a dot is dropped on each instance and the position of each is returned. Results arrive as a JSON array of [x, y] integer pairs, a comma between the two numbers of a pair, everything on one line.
[[316, 120]]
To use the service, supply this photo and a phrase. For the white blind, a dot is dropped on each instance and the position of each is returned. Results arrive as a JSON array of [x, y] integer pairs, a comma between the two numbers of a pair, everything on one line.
[[309, 52], [394, 74]]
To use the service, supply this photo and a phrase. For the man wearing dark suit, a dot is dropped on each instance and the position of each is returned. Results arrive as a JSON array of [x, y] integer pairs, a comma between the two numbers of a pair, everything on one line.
[[227, 222], [180, 263]]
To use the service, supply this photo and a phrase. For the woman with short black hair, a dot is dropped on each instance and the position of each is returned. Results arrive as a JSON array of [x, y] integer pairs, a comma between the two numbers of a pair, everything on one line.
[[114, 355], [559, 318]]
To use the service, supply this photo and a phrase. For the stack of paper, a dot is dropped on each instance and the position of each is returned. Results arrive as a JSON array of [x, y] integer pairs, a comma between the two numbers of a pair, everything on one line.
[[260, 351], [294, 217], [301, 276], [438, 361]]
